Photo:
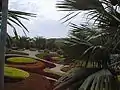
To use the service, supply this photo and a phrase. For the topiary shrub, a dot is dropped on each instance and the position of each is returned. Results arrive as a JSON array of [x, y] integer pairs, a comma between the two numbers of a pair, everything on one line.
[[21, 60], [14, 74]]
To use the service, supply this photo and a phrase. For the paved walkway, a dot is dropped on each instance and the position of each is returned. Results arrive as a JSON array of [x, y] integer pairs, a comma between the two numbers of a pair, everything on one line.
[[55, 69]]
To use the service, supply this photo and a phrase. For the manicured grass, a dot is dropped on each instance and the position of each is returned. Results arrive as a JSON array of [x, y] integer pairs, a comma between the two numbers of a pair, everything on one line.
[[19, 60], [15, 73]]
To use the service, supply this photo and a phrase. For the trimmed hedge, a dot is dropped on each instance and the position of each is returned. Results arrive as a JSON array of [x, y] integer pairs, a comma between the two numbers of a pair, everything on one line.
[[21, 60], [14, 73]]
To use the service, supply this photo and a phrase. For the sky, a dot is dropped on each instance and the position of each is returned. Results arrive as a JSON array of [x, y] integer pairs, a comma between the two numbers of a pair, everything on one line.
[[47, 21]]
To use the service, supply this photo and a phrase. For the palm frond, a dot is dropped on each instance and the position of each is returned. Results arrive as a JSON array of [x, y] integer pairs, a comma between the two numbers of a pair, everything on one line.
[[15, 16], [101, 80], [76, 75], [73, 5]]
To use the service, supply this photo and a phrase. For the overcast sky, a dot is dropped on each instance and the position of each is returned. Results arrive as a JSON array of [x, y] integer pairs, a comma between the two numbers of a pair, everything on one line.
[[46, 23]]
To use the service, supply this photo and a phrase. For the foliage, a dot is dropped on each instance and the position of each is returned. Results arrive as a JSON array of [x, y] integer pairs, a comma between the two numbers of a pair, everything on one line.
[[40, 42], [19, 60], [74, 78], [42, 55], [100, 44], [105, 16], [14, 18], [50, 44], [15, 73], [37, 43], [87, 79]]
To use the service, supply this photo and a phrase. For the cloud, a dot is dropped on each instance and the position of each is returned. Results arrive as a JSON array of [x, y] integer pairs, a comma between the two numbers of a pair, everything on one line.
[[46, 23]]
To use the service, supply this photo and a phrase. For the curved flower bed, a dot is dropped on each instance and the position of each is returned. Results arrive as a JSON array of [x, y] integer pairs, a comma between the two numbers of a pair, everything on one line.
[[13, 74], [29, 67], [21, 60], [47, 63]]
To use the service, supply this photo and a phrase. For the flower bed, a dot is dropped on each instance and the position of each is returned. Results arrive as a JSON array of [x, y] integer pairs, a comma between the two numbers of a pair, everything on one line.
[[21, 60], [14, 74]]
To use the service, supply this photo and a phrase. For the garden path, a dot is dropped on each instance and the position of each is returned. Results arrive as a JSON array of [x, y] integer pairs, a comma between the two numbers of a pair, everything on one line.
[[55, 69]]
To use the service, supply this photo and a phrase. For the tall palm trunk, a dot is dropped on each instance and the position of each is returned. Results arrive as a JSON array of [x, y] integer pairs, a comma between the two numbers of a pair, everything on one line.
[[2, 41]]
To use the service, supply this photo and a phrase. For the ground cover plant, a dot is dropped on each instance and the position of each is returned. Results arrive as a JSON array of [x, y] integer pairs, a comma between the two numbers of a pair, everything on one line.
[[21, 60], [14, 74]]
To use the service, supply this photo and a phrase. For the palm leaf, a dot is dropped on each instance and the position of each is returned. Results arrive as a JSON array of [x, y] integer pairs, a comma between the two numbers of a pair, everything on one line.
[[15, 16], [101, 80], [73, 76], [79, 4]]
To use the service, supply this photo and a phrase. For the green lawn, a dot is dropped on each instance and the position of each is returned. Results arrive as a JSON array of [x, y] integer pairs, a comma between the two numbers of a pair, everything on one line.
[[15, 73], [21, 60]]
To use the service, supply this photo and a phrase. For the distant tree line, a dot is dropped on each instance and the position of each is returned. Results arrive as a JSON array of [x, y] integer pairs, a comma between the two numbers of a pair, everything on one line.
[[38, 43]]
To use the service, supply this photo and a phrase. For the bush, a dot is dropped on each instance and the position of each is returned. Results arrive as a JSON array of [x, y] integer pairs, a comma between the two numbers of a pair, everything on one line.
[[16, 52], [46, 51], [15, 73], [42, 55], [20, 60]]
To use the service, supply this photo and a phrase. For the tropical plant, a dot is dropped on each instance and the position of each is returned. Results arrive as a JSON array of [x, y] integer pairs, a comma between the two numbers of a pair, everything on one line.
[[14, 17], [105, 15]]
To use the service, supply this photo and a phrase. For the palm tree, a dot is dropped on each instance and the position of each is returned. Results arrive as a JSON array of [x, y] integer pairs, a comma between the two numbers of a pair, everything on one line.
[[101, 76], [6, 17]]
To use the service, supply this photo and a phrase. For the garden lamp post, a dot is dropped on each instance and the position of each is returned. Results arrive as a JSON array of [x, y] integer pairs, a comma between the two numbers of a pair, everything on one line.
[[3, 30]]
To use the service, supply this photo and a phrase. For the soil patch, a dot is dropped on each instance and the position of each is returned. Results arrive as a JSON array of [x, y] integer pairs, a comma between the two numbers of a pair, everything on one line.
[[29, 67], [34, 82]]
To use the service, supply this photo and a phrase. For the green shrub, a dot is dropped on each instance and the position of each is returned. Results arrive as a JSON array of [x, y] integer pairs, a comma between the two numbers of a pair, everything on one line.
[[42, 55], [15, 73], [46, 51], [19, 60]]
